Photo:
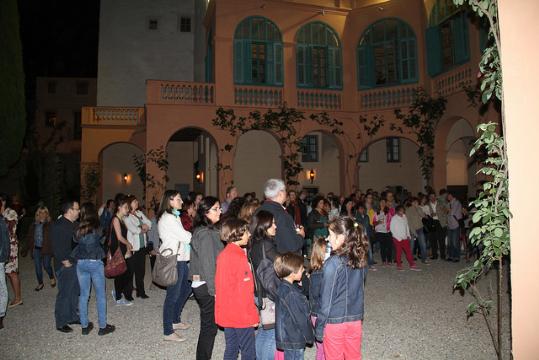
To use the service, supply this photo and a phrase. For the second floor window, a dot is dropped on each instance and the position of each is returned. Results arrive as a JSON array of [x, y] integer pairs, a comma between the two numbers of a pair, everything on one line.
[[387, 54], [447, 39], [318, 57], [258, 53], [82, 87], [393, 149], [185, 24], [309, 148]]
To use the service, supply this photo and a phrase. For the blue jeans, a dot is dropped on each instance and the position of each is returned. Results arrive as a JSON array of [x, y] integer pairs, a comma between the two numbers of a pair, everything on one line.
[[296, 354], [453, 236], [92, 272], [175, 299], [265, 344], [422, 241], [41, 261], [240, 340], [3, 290]]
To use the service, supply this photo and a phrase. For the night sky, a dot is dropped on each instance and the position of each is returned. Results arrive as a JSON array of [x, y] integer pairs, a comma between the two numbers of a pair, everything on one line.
[[59, 38]]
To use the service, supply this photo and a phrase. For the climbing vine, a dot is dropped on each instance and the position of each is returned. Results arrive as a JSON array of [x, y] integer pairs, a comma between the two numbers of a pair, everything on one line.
[[284, 124], [159, 157], [422, 118], [490, 232]]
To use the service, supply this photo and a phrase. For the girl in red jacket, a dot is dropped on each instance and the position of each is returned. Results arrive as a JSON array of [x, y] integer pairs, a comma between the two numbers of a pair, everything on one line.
[[235, 309]]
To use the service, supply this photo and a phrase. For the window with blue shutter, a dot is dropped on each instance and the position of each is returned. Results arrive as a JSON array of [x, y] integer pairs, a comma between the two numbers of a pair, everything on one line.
[[258, 53], [387, 54], [447, 37], [318, 57]]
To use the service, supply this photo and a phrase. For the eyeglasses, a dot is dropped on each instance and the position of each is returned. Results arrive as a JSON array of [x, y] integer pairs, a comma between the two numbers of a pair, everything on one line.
[[216, 209]]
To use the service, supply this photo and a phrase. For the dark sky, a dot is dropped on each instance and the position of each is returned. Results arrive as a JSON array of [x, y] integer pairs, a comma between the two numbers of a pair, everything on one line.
[[59, 38]]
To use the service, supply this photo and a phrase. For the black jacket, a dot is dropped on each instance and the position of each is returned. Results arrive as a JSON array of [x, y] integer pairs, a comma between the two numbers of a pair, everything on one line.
[[256, 256], [62, 232], [286, 238], [293, 329], [302, 211], [4, 241]]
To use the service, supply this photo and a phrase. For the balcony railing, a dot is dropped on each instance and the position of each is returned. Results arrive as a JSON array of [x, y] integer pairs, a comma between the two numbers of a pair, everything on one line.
[[319, 99], [453, 81], [116, 116], [245, 95], [180, 92], [387, 98]]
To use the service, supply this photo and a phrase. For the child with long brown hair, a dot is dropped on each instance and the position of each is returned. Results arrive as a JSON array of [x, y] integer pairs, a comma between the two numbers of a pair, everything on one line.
[[318, 254], [339, 321]]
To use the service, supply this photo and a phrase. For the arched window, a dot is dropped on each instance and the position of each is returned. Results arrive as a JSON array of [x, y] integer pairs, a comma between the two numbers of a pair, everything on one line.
[[447, 37], [258, 52], [387, 54], [318, 57]]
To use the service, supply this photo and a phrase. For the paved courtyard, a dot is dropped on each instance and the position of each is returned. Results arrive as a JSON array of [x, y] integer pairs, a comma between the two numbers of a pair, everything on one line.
[[408, 316]]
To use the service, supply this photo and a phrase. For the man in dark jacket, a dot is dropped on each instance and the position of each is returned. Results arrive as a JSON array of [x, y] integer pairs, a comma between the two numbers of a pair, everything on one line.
[[62, 232], [287, 238], [296, 208]]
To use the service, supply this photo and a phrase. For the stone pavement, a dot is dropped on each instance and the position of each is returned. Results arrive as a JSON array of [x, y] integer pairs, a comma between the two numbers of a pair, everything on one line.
[[408, 315]]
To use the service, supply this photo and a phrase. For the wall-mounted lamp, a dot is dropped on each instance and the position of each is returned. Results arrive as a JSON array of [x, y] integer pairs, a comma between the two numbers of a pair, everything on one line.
[[125, 178], [199, 176], [311, 175]]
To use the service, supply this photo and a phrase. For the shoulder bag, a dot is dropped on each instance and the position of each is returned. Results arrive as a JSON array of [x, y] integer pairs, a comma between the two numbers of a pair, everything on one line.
[[116, 265], [269, 281], [165, 272]]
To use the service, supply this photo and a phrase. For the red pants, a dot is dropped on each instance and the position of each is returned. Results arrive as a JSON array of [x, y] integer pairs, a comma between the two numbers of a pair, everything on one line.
[[343, 341], [403, 245]]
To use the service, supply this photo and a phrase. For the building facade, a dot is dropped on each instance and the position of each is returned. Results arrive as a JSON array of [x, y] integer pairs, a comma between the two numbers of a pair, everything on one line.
[[356, 61]]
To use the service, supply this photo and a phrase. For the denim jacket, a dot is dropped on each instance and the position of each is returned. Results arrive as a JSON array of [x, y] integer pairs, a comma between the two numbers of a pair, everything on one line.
[[89, 247], [342, 294], [293, 329], [315, 289]]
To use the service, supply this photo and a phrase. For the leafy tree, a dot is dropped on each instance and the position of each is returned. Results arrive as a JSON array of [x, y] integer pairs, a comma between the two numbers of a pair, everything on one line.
[[12, 105]]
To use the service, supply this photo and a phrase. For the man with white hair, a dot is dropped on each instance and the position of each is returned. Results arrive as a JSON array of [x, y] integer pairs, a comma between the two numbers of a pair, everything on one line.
[[287, 237]]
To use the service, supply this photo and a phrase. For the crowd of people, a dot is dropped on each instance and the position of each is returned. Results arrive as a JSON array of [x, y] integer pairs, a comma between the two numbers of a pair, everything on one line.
[[277, 275]]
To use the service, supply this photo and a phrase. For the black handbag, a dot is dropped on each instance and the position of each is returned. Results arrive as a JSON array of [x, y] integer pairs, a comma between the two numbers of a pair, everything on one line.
[[428, 224]]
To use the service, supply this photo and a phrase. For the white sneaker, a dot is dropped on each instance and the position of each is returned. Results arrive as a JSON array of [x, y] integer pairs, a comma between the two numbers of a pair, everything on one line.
[[181, 326], [174, 337], [124, 302]]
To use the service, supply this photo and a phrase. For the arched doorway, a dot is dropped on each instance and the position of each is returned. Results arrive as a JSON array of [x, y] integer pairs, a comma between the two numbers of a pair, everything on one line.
[[192, 162], [257, 159], [390, 162], [321, 153], [460, 170], [118, 171]]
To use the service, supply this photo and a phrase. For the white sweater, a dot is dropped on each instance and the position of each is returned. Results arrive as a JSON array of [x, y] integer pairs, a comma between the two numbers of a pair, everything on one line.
[[399, 227], [174, 236], [133, 228]]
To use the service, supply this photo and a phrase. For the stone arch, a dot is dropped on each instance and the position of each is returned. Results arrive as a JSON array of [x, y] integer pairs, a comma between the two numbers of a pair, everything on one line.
[[257, 157], [452, 166], [377, 172], [118, 171], [197, 168]]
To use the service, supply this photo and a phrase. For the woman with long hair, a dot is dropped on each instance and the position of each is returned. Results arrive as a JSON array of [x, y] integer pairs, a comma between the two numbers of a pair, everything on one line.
[[206, 246], [138, 226], [40, 245], [176, 239], [339, 321], [118, 237], [89, 254], [12, 266], [262, 229]]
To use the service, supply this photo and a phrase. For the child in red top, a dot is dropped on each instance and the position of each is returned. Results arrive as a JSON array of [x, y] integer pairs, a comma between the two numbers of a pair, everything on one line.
[[235, 309]]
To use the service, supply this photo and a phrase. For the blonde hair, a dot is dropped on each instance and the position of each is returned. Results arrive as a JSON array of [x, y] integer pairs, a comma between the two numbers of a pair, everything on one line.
[[247, 211], [42, 209], [318, 254]]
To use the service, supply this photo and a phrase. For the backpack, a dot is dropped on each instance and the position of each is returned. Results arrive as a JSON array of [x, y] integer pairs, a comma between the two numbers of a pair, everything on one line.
[[4, 240]]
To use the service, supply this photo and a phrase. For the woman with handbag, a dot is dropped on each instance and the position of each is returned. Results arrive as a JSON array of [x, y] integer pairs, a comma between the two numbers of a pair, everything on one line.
[[90, 269], [175, 240], [118, 238], [206, 246], [263, 247]]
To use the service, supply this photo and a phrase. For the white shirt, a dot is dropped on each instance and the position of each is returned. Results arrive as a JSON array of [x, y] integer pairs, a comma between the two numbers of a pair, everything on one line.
[[132, 223], [174, 237], [399, 227]]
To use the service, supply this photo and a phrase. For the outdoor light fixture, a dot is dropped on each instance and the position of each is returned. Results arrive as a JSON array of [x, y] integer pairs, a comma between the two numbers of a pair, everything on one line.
[[311, 175], [125, 177], [199, 176]]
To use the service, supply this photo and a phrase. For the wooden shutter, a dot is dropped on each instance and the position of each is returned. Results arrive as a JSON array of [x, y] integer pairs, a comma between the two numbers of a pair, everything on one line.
[[335, 68], [434, 51], [459, 29], [238, 62], [278, 63], [365, 59]]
